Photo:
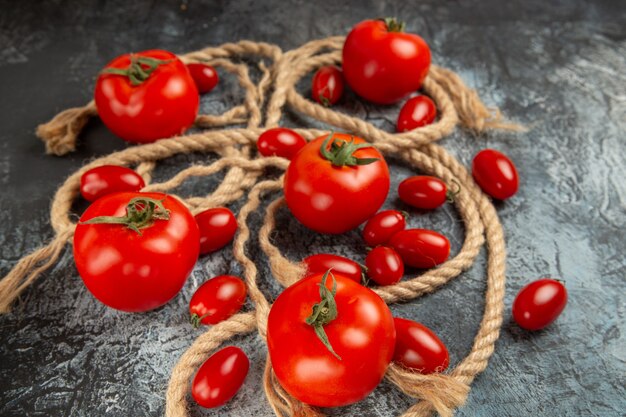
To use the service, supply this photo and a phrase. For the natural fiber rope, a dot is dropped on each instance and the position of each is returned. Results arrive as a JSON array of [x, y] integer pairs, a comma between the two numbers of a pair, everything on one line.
[[276, 87]]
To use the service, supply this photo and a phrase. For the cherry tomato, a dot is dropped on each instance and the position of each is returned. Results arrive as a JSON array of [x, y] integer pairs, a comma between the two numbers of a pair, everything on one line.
[[280, 141], [361, 333], [416, 112], [216, 300], [220, 377], [335, 183], [423, 192], [109, 179], [418, 348], [322, 262], [539, 303], [204, 76], [146, 96], [383, 64], [327, 86], [384, 265], [421, 248], [382, 226], [495, 173], [217, 228], [134, 251]]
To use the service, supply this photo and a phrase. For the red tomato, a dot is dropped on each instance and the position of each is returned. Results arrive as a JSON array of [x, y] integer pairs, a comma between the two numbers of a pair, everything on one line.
[[204, 76], [383, 64], [495, 173], [336, 183], [423, 192], [146, 96], [216, 300], [109, 179], [361, 333], [416, 112], [138, 256], [217, 228], [220, 377], [322, 262], [418, 348], [421, 248], [327, 86], [382, 226], [539, 303], [280, 141], [384, 265]]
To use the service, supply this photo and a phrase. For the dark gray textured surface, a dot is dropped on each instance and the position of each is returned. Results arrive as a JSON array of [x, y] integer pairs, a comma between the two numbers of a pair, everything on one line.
[[558, 67]]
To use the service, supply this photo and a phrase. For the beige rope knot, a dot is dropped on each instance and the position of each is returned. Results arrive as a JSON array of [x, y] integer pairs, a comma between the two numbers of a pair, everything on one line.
[[272, 90]]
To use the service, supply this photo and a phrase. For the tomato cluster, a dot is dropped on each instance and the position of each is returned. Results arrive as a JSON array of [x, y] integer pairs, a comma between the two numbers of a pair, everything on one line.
[[134, 250]]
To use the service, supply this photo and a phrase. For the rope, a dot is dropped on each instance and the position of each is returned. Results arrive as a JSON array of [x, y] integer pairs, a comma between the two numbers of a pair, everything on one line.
[[263, 103]]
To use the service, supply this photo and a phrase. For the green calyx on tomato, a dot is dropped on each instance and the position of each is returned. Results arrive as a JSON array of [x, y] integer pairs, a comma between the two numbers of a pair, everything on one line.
[[325, 311], [393, 25], [139, 69], [451, 194], [141, 212], [341, 152]]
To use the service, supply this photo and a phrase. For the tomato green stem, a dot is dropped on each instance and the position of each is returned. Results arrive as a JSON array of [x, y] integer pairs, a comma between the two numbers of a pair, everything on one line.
[[196, 320], [139, 69], [451, 194], [341, 152], [141, 212], [324, 312], [393, 25]]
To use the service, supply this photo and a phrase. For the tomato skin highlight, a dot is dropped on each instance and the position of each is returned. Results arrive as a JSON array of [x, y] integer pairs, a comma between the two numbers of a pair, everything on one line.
[[362, 334], [218, 299], [204, 76], [418, 111], [384, 265], [419, 348], [322, 262], [384, 66], [423, 192], [379, 229], [421, 248], [539, 303], [164, 105], [108, 179], [217, 228], [495, 173], [220, 377], [327, 85], [135, 272], [331, 199], [280, 141]]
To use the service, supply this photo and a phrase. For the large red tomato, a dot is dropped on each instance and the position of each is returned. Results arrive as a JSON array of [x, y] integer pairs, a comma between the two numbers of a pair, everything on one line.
[[146, 96], [134, 251], [383, 64], [335, 183], [360, 340]]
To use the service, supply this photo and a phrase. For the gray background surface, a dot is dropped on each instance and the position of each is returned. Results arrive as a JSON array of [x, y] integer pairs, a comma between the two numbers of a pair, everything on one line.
[[558, 67]]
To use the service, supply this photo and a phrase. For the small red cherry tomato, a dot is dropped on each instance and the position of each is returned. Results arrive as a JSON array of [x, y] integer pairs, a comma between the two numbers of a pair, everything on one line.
[[423, 192], [220, 377], [417, 112], [109, 179], [217, 228], [495, 173], [539, 303], [204, 76], [382, 226], [216, 300], [322, 262], [421, 248], [418, 348], [280, 141], [327, 86], [384, 265]]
